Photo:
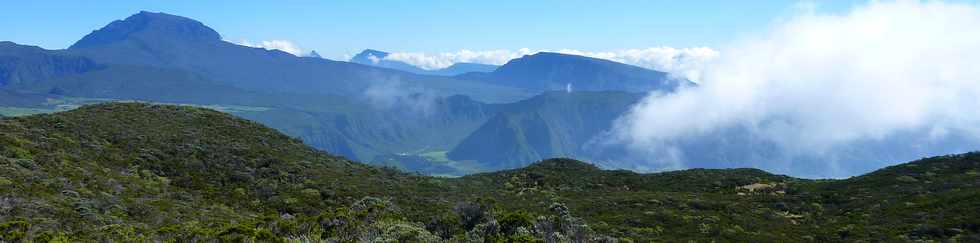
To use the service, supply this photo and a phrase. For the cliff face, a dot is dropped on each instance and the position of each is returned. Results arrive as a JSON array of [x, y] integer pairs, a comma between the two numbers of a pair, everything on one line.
[[24, 65]]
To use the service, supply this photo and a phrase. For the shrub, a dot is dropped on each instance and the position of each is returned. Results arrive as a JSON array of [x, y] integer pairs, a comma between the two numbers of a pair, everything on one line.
[[511, 222], [14, 231], [470, 214]]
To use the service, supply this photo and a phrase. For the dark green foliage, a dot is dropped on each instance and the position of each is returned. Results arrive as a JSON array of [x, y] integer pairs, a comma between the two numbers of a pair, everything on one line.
[[15, 230], [152, 165], [512, 222], [139, 172]]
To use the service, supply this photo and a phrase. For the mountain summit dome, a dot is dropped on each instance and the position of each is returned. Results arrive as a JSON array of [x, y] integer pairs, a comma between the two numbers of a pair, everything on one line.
[[149, 25]]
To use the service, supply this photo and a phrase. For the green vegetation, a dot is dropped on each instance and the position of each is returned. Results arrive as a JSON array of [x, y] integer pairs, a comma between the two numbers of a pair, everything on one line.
[[553, 124], [43, 104], [436, 156], [142, 172]]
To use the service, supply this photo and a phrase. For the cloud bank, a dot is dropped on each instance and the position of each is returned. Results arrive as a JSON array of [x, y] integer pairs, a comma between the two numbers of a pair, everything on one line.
[[899, 76], [392, 95], [682, 62], [282, 45], [443, 60]]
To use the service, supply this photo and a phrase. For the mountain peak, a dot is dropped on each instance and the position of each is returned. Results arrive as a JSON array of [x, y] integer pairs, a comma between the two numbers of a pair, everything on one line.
[[369, 57], [543, 59], [560, 56], [544, 53], [374, 52], [314, 54], [152, 25], [556, 71]]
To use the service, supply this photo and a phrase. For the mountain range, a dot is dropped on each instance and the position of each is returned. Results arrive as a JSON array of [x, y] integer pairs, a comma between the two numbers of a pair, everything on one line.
[[167, 41], [546, 71], [379, 59], [531, 108], [373, 112], [155, 129]]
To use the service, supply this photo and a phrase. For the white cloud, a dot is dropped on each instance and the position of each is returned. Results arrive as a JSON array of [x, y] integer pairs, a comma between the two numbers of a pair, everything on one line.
[[390, 94], [682, 62], [816, 83], [446, 59], [374, 59], [282, 45]]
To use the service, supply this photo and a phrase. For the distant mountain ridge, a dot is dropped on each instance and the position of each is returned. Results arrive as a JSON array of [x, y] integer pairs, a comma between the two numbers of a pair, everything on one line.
[[23, 65], [554, 71], [175, 42], [377, 58], [466, 67], [166, 58]]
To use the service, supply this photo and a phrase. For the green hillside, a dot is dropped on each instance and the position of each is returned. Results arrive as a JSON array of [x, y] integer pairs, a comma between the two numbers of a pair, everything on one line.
[[141, 172], [553, 124]]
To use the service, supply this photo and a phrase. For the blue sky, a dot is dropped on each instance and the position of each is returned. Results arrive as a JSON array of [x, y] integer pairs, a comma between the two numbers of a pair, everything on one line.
[[336, 28]]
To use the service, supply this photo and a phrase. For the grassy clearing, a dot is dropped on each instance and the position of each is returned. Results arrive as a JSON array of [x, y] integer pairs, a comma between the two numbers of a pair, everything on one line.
[[22, 111], [71, 103], [437, 156], [440, 157]]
